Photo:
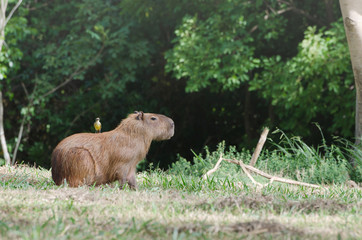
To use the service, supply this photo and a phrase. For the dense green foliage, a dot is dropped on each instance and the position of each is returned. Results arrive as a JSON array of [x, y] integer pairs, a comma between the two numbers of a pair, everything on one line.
[[232, 49], [220, 69]]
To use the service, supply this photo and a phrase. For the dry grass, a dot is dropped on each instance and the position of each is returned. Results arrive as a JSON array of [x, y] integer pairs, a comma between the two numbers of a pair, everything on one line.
[[31, 207]]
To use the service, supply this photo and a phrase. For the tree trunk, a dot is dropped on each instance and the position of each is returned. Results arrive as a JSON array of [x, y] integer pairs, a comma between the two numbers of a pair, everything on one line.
[[2, 133], [352, 18]]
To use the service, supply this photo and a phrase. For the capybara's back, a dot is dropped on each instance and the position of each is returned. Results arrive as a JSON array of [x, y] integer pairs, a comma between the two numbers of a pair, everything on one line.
[[100, 158]]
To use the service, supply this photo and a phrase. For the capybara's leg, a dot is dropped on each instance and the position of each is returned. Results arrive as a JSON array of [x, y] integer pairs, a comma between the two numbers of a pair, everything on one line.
[[131, 179], [126, 176], [122, 182], [121, 177], [80, 166]]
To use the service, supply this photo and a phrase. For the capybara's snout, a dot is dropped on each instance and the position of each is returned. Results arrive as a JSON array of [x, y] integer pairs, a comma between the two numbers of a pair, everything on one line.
[[172, 128]]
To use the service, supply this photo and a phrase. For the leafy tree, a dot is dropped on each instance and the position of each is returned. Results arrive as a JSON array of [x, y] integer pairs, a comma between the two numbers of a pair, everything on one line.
[[87, 59], [219, 51], [7, 56], [312, 85], [73, 68], [242, 46]]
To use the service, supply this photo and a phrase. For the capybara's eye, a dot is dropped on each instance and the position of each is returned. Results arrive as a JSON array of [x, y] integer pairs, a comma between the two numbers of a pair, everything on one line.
[[153, 118]]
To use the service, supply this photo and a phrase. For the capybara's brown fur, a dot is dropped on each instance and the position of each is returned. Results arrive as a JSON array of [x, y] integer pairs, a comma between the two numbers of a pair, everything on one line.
[[99, 158]]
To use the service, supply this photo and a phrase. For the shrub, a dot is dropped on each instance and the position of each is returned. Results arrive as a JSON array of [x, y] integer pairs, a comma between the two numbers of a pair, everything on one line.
[[295, 159], [202, 164], [354, 154], [291, 158]]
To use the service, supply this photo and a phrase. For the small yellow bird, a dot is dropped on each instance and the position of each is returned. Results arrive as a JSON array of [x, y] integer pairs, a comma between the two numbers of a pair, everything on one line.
[[97, 125]]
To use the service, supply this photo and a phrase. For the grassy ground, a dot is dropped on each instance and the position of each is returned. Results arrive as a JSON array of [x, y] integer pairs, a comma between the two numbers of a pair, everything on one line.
[[173, 207]]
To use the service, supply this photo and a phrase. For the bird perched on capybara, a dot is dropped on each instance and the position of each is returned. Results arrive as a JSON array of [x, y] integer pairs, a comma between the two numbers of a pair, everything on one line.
[[89, 158], [97, 125]]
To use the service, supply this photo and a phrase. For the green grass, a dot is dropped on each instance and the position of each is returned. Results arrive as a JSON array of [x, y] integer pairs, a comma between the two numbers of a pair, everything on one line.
[[174, 206], [291, 158]]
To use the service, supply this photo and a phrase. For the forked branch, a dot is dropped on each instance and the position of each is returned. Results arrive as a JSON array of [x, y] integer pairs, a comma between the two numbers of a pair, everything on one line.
[[251, 167], [248, 174], [214, 169], [273, 178]]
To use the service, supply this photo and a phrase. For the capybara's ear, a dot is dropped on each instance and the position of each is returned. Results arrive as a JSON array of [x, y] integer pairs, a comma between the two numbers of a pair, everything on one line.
[[140, 115]]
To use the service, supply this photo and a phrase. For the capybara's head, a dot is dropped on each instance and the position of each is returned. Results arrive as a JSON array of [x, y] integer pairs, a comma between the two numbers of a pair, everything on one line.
[[157, 126]]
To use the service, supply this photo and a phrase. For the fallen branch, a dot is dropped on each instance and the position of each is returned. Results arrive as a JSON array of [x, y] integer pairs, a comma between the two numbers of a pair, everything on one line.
[[248, 174], [274, 178], [214, 169], [251, 167], [270, 182], [259, 146]]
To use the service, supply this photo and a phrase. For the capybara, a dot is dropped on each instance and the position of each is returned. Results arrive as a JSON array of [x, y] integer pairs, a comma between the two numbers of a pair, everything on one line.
[[94, 159]]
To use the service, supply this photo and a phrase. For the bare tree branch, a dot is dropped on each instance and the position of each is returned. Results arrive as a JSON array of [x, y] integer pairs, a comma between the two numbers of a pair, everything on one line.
[[2, 133], [259, 146], [68, 80], [25, 90], [37, 8], [76, 72], [292, 7], [21, 130], [20, 135], [3, 21], [274, 178], [76, 119], [12, 12], [214, 169], [248, 174]]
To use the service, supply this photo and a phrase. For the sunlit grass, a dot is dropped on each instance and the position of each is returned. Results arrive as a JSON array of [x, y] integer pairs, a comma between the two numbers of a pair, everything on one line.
[[180, 204], [23, 177], [172, 206]]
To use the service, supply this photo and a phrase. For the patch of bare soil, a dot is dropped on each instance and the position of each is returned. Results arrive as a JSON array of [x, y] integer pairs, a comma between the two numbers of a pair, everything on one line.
[[250, 228], [259, 201]]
